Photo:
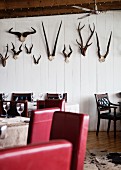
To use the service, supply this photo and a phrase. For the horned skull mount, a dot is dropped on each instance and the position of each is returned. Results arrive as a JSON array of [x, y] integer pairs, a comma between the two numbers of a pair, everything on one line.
[[51, 56], [28, 51], [22, 36], [16, 53], [67, 56], [103, 57], [83, 48], [36, 61], [4, 59]]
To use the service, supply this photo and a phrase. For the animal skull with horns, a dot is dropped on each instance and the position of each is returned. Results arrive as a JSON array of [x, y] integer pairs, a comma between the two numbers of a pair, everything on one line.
[[22, 36]]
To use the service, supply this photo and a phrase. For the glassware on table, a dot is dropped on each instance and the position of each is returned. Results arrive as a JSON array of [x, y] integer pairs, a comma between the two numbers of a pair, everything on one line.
[[60, 96], [5, 96], [6, 107], [20, 108], [33, 97], [40, 95]]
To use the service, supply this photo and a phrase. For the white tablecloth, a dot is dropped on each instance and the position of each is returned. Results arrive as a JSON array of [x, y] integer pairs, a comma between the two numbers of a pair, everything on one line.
[[17, 131]]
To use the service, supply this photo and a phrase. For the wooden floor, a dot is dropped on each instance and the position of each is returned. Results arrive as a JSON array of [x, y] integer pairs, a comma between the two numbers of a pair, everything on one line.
[[104, 141]]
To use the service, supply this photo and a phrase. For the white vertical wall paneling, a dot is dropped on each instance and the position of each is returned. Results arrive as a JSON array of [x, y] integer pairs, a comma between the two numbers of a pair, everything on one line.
[[68, 66], [27, 58], [35, 70], [75, 59], [101, 67], [53, 26], [92, 58], [84, 67], [7, 77], [81, 77], [44, 58], [20, 60], [110, 58], [117, 51], [60, 59], [117, 59]]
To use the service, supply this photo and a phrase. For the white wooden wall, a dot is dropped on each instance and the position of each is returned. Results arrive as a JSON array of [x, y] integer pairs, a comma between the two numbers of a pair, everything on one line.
[[82, 77]]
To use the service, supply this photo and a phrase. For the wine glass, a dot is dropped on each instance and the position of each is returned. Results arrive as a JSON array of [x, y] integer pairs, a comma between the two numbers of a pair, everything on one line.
[[40, 95], [5, 96], [20, 108], [60, 96], [6, 107]]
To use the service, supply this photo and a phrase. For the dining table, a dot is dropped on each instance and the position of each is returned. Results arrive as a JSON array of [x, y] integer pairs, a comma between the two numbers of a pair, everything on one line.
[[16, 133]]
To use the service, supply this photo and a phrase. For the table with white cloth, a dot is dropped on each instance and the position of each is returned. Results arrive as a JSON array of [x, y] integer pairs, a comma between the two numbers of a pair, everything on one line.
[[17, 131], [72, 107]]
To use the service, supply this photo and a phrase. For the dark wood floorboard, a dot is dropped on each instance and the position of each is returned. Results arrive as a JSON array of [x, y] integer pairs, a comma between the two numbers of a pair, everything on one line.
[[104, 141]]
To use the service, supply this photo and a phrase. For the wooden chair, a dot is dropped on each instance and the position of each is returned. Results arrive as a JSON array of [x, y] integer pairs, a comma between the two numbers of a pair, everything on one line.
[[48, 103], [22, 96], [57, 96], [12, 112], [40, 125], [1, 96], [106, 110], [74, 128]]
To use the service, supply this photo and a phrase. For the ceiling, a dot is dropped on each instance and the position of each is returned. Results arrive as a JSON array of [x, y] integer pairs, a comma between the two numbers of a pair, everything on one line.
[[29, 8]]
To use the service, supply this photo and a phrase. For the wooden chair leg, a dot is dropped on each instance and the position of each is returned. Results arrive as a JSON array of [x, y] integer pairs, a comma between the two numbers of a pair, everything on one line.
[[114, 128], [109, 122], [98, 126]]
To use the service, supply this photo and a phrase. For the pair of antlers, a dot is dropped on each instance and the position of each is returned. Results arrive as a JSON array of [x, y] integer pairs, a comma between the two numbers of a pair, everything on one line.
[[4, 59], [67, 56], [51, 56], [84, 48], [103, 57], [15, 54]]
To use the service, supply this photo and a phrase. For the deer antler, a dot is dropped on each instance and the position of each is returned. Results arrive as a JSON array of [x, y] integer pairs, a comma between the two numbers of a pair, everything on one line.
[[103, 57], [3, 59], [28, 51], [23, 35], [81, 46], [51, 56], [67, 55], [15, 54], [36, 61]]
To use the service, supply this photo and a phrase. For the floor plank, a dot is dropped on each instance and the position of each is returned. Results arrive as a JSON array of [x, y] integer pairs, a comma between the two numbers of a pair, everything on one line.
[[104, 141]]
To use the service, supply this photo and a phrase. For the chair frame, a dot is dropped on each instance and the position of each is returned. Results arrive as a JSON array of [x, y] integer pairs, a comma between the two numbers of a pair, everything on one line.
[[107, 115], [25, 95]]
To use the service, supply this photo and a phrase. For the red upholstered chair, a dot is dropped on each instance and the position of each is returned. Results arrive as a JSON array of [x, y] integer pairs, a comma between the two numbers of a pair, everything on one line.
[[74, 128], [51, 103], [53, 155], [40, 125]]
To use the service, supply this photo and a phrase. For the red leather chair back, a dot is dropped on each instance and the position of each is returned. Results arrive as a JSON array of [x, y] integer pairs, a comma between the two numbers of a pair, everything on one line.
[[51, 103], [53, 155], [74, 128], [40, 125]]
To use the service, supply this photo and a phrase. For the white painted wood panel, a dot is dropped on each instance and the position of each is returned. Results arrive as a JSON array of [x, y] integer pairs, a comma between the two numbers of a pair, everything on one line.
[[82, 77]]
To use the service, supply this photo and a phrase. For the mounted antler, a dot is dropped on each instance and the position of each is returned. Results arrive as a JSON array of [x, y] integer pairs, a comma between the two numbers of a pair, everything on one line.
[[36, 61], [81, 46], [23, 35], [103, 57], [67, 55], [3, 59], [15, 54], [28, 51], [51, 56]]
